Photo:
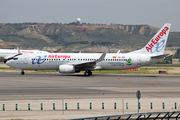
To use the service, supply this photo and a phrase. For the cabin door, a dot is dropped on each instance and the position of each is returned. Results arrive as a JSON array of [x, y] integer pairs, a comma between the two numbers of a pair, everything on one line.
[[25, 61], [139, 60]]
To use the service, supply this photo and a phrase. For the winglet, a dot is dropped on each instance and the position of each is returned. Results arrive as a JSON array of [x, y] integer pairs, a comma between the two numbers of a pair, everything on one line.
[[118, 51], [19, 52], [102, 57]]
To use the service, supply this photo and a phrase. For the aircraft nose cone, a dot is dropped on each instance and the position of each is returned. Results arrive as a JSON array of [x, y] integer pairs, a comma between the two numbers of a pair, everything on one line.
[[8, 63]]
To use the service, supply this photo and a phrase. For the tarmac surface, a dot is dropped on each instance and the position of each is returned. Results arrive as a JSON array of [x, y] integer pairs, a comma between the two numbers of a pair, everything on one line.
[[46, 86], [49, 88]]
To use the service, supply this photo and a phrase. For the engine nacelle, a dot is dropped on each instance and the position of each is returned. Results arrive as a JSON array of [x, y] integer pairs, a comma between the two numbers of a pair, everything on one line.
[[66, 69]]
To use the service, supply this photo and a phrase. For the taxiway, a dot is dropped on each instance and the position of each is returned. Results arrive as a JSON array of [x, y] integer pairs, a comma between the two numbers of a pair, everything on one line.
[[46, 86]]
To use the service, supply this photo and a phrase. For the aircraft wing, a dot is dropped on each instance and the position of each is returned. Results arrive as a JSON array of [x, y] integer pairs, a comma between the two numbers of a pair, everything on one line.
[[91, 64], [86, 65], [161, 56]]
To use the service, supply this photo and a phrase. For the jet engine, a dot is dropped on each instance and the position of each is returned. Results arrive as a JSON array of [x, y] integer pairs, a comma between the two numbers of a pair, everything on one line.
[[66, 69]]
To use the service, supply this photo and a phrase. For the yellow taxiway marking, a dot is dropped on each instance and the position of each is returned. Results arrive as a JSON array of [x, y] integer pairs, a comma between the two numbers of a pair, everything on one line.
[[151, 95]]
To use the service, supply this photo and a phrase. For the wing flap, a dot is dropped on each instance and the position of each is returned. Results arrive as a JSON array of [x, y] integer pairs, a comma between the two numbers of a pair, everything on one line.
[[86, 64]]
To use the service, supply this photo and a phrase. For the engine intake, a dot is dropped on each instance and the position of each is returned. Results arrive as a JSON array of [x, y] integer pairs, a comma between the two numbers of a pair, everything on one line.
[[66, 69]]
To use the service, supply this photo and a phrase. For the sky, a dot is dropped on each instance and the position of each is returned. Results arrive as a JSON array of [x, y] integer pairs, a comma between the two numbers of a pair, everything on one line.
[[127, 12]]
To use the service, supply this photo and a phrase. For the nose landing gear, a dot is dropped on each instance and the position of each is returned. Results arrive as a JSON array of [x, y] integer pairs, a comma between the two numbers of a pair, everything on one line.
[[22, 72]]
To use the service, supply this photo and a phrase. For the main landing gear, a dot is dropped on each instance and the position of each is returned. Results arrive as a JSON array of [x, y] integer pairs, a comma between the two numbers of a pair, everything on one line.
[[22, 72], [87, 73]]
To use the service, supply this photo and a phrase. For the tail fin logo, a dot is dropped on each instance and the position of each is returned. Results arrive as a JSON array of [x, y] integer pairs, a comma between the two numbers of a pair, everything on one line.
[[155, 41], [159, 46]]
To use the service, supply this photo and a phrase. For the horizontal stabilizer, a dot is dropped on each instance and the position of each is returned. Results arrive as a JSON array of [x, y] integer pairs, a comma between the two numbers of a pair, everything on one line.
[[160, 56]]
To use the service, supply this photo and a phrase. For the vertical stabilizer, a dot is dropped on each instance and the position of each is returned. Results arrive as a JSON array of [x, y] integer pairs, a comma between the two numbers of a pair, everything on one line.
[[157, 44]]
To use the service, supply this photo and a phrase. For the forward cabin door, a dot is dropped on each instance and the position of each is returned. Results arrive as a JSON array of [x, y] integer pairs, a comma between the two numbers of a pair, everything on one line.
[[139, 60], [25, 60]]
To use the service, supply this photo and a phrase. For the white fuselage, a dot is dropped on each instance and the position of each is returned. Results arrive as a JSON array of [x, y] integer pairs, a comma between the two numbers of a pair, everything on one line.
[[52, 61]]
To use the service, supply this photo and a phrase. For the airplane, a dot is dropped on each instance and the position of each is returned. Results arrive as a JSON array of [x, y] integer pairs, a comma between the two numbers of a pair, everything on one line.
[[151, 53], [6, 54]]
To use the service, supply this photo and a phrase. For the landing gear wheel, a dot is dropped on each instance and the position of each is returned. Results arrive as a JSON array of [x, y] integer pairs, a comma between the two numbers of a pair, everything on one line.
[[22, 72], [87, 73]]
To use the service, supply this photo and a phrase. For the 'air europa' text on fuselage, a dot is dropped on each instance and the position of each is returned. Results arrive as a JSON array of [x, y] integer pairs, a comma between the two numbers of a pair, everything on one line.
[[22, 51], [59, 56], [154, 41]]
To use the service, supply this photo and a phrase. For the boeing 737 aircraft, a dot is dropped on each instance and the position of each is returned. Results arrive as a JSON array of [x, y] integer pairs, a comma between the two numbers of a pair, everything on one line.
[[76, 62], [6, 54]]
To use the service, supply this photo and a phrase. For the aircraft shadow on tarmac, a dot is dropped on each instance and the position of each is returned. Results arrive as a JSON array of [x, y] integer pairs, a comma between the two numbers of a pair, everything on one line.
[[82, 75], [108, 75]]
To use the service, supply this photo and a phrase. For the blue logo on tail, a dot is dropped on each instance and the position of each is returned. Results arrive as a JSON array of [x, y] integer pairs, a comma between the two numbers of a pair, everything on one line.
[[158, 47]]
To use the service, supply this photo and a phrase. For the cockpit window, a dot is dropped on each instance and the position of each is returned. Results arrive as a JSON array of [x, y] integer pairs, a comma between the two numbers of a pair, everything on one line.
[[15, 58]]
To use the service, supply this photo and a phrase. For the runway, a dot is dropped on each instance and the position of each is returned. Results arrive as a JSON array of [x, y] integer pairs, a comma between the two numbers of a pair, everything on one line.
[[50, 86]]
